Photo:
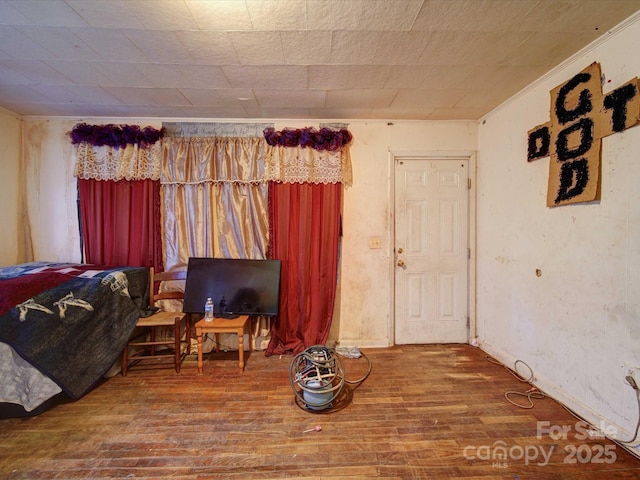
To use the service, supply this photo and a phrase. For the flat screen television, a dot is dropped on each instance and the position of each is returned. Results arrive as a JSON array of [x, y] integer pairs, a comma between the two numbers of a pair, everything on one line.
[[242, 287]]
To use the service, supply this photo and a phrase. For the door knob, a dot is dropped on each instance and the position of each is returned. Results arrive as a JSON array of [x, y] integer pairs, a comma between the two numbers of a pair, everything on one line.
[[401, 263]]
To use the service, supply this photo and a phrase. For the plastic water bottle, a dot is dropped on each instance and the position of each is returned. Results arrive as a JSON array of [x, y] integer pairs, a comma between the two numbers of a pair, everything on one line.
[[208, 310]]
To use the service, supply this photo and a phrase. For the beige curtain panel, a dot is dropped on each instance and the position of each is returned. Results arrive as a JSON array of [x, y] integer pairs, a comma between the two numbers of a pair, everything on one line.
[[212, 160], [215, 205]]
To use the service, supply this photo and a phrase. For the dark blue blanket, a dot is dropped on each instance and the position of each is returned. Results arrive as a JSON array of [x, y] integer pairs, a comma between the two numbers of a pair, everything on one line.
[[71, 321]]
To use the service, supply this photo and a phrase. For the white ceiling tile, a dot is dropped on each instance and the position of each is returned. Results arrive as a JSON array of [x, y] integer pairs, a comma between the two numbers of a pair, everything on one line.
[[220, 97], [291, 98], [57, 93], [276, 77], [482, 98], [95, 110], [160, 76], [352, 48], [473, 15], [361, 15], [540, 47], [79, 73], [159, 46], [281, 15], [167, 14], [12, 74], [400, 48], [108, 13], [150, 110], [31, 72], [202, 76], [35, 109], [207, 112], [457, 113], [52, 13], [220, 15], [184, 76], [165, 96], [503, 79], [258, 48], [411, 76], [148, 96], [87, 96], [388, 15], [61, 42], [343, 112], [396, 113], [306, 47], [428, 98], [209, 48], [333, 15], [470, 48], [360, 98], [449, 76], [368, 76], [20, 46], [122, 74], [9, 15], [18, 94], [300, 112], [328, 77], [110, 45], [583, 16]]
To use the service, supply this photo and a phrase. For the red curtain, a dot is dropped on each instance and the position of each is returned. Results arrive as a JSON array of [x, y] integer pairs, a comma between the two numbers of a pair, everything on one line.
[[121, 222], [305, 233]]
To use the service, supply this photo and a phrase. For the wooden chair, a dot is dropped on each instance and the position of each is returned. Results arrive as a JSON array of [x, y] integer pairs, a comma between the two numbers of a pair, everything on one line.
[[148, 347]]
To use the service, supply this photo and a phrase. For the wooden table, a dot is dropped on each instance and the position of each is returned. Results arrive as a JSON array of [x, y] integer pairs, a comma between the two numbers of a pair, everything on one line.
[[225, 325]]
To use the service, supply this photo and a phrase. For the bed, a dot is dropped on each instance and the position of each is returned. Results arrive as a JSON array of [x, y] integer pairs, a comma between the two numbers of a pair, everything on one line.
[[62, 327]]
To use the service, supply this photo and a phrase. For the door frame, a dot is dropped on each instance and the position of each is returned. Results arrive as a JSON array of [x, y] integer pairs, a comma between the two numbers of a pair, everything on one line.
[[452, 155]]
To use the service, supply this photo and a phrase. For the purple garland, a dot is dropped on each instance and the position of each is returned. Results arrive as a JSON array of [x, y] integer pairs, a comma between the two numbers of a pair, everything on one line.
[[323, 139], [117, 136]]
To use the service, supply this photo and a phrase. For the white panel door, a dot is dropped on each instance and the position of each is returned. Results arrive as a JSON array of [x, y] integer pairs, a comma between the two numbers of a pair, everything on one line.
[[431, 250]]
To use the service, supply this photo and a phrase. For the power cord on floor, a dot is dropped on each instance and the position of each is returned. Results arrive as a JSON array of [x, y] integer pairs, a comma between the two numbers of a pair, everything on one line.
[[531, 394], [355, 352], [534, 393]]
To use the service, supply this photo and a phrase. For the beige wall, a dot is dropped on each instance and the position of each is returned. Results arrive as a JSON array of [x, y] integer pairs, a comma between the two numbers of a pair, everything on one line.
[[577, 324], [10, 205]]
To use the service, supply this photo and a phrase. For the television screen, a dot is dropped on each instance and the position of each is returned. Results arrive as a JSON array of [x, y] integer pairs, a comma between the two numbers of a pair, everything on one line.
[[237, 286]]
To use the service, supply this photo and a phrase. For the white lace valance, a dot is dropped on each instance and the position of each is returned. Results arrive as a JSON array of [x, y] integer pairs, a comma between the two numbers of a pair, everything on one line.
[[307, 165], [112, 163]]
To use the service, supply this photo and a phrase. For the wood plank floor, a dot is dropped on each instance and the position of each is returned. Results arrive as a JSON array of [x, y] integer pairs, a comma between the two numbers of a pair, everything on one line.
[[425, 412]]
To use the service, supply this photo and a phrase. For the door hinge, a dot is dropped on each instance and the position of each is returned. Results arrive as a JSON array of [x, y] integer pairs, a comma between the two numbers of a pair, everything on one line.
[[468, 322], [469, 183], [468, 253]]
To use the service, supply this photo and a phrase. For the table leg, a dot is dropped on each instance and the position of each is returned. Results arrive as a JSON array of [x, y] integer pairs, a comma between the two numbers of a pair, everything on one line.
[[241, 348], [199, 335]]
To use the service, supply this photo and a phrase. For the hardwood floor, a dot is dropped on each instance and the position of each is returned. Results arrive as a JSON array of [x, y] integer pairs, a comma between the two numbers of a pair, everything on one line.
[[425, 412]]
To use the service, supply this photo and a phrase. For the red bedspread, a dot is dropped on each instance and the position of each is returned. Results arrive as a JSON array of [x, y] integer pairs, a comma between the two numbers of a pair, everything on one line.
[[31, 281]]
